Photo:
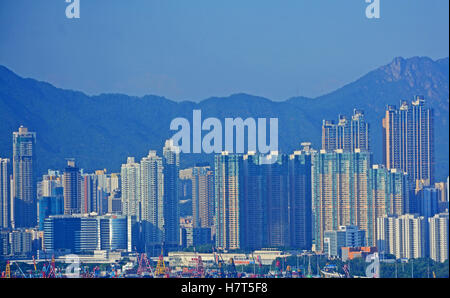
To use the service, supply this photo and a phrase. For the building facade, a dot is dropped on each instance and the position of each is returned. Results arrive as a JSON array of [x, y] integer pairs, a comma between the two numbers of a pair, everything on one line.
[[404, 236], [152, 198], [340, 193], [171, 165], [345, 236], [72, 188], [408, 140], [5, 193], [203, 197], [24, 208], [439, 237], [229, 198], [347, 134], [300, 200], [131, 188]]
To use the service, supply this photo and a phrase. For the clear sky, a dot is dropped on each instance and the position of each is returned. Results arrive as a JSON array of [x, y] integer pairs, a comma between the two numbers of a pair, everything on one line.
[[195, 49]]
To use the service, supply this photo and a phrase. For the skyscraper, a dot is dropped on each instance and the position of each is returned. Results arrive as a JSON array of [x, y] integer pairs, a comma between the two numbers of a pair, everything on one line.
[[276, 200], [428, 201], [340, 192], [263, 200], [389, 194], [5, 193], [131, 188], [89, 185], [300, 214], [203, 197], [72, 188], [171, 166], [253, 225], [229, 198], [390, 191], [152, 198], [408, 140], [24, 180], [50, 197], [347, 134]]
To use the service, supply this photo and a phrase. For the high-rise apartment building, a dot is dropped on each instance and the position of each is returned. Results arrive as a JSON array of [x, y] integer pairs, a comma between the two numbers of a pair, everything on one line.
[[50, 197], [427, 201], [340, 192], [203, 197], [347, 134], [275, 200], [389, 190], [229, 198], [24, 180], [263, 200], [442, 188], [72, 188], [131, 188], [89, 186], [152, 198], [253, 217], [171, 164], [275, 196], [300, 212], [408, 140], [404, 236], [5, 193], [389, 194], [439, 236]]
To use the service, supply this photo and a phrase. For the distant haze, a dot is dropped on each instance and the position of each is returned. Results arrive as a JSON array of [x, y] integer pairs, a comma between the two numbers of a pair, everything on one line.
[[102, 131], [191, 50]]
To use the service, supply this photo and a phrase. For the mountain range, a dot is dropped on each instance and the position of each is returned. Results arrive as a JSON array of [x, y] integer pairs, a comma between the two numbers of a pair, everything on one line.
[[102, 131]]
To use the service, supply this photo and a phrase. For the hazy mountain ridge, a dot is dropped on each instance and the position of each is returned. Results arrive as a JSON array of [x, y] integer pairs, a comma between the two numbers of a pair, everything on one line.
[[101, 131]]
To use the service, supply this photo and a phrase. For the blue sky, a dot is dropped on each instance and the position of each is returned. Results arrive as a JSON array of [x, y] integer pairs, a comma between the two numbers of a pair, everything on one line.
[[192, 50]]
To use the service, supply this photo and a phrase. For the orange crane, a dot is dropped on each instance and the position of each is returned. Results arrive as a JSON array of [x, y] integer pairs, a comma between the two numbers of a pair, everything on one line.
[[8, 270]]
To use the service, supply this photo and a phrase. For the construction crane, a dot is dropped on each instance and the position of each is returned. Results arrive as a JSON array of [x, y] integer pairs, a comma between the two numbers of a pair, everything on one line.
[[96, 271], [221, 273], [279, 269], [36, 272], [49, 271], [8, 270], [144, 266], [346, 271], [200, 268], [288, 272], [161, 266], [233, 273], [85, 272], [220, 263], [309, 274], [34, 264]]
